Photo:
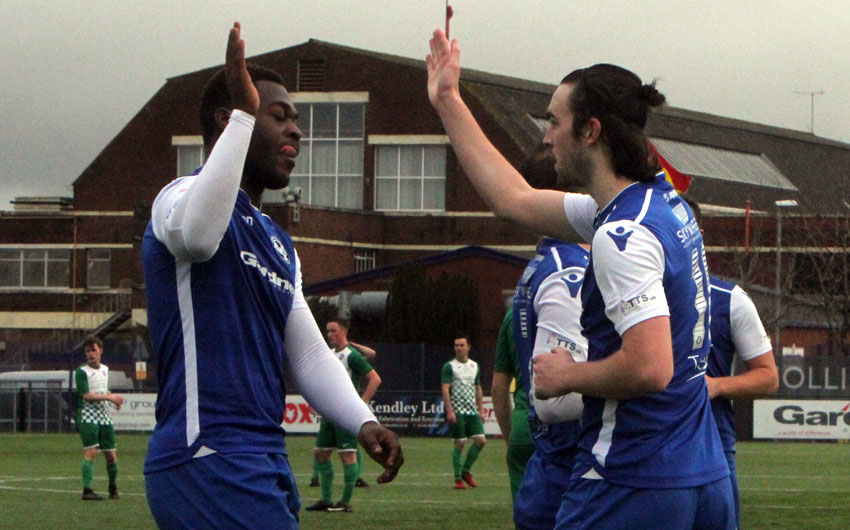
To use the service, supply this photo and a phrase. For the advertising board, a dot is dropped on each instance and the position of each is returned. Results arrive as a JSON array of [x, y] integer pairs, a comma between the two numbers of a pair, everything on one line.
[[801, 419], [408, 414]]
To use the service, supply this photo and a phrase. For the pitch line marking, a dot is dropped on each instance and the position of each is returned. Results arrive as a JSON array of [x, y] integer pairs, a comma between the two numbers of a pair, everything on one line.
[[50, 490]]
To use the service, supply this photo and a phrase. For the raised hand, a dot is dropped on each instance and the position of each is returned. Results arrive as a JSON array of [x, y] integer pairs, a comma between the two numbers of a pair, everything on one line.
[[381, 444], [547, 369], [443, 68], [243, 93]]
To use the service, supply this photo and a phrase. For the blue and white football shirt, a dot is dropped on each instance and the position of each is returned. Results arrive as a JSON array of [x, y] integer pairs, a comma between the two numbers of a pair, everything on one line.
[[552, 278], [218, 330], [736, 329], [648, 260]]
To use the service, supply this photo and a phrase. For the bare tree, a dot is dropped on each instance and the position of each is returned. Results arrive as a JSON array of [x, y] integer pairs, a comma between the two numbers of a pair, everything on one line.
[[820, 279]]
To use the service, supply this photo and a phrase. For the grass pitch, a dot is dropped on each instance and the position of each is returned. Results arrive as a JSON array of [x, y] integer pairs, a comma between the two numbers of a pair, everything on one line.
[[783, 486]]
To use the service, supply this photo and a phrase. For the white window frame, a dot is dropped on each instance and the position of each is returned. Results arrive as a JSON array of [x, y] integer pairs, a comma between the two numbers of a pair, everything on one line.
[[304, 102], [416, 140], [192, 143], [91, 260], [45, 260]]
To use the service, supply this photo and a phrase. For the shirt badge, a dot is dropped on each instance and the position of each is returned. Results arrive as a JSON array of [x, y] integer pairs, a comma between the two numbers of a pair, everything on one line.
[[281, 249]]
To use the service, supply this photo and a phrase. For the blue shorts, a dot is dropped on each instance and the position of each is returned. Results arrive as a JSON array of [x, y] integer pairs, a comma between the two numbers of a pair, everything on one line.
[[539, 496], [600, 505], [733, 478], [225, 491]]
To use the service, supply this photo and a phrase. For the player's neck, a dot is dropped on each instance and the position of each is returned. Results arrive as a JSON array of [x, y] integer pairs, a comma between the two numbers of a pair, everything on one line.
[[341, 347], [254, 191], [606, 186], [94, 365]]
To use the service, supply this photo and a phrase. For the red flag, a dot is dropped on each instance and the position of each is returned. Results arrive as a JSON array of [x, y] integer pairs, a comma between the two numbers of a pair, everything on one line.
[[676, 178], [449, 14]]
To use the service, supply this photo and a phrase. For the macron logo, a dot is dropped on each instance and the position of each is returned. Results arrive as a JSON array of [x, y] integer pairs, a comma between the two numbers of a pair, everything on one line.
[[620, 237], [573, 279]]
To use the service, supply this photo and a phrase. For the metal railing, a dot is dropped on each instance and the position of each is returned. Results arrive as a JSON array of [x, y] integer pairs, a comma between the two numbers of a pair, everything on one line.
[[100, 318], [31, 408]]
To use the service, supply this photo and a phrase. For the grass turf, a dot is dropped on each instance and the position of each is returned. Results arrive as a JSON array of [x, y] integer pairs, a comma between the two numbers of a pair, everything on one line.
[[783, 486]]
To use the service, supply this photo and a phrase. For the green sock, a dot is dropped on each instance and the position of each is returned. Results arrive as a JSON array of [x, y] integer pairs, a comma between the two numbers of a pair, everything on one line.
[[359, 464], [326, 474], [471, 457], [315, 469], [88, 473], [112, 471], [350, 472], [456, 462]]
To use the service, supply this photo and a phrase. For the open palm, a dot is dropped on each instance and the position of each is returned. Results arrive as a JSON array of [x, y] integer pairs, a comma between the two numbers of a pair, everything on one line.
[[443, 68], [243, 93]]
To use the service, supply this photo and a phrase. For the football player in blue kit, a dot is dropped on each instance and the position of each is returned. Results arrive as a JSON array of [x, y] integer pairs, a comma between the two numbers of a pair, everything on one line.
[[227, 317], [546, 313], [736, 331], [649, 455]]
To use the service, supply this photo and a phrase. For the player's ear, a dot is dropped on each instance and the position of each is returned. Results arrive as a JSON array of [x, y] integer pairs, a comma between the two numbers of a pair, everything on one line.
[[592, 130], [222, 116]]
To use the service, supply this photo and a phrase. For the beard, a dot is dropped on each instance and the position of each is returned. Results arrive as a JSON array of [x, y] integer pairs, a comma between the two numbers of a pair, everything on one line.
[[575, 171]]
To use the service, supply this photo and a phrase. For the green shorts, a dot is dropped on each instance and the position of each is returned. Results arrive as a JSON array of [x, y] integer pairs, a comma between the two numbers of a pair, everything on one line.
[[332, 437], [94, 435], [467, 425]]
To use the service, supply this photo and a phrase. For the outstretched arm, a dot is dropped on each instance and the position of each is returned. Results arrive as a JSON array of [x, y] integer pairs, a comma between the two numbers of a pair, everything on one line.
[[191, 215], [501, 186]]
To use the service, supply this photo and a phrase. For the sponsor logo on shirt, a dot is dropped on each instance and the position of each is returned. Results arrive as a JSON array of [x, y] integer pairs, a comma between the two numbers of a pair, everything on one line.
[[558, 341], [636, 303], [620, 237], [280, 283], [688, 232]]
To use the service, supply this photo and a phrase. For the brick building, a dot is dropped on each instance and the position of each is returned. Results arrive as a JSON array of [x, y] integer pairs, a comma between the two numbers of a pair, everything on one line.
[[379, 186]]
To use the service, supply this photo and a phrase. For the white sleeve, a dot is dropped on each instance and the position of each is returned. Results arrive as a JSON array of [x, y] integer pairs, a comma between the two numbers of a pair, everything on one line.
[[628, 263], [558, 324], [320, 377], [747, 331], [580, 210], [191, 214], [299, 302]]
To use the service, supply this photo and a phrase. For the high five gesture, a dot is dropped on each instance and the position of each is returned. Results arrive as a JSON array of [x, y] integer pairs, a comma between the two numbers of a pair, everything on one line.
[[243, 93], [443, 69]]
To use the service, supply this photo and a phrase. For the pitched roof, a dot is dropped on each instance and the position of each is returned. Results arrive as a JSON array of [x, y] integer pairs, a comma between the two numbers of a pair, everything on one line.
[[771, 162], [454, 255]]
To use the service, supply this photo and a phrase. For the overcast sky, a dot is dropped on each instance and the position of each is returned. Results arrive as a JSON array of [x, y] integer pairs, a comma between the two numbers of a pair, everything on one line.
[[75, 72]]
